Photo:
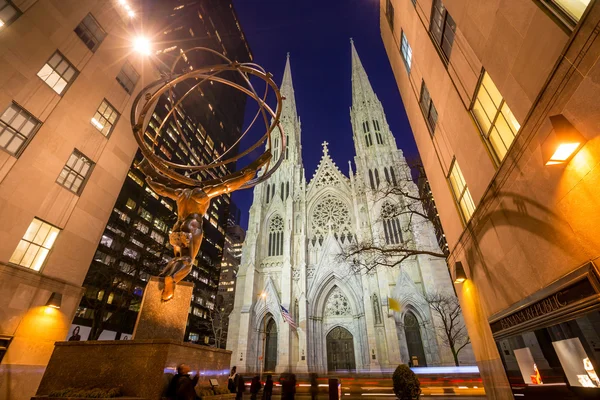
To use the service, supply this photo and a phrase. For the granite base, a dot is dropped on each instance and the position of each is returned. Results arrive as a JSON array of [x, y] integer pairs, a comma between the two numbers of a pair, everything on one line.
[[142, 368]]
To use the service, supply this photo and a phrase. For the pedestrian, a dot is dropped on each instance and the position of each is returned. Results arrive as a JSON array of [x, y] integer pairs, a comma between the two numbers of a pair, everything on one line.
[[241, 387], [182, 386], [314, 386], [232, 381], [268, 390], [255, 387]]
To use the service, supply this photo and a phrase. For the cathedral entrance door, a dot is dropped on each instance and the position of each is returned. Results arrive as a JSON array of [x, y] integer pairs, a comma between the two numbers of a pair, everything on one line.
[[271, 346], [413, 340], [340, 350]]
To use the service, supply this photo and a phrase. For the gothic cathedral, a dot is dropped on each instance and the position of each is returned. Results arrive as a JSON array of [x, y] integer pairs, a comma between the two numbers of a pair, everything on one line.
[[290, 258]]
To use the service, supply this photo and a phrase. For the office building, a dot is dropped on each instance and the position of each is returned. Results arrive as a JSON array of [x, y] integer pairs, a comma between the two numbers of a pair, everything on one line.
[[501, 97], [135, 242]]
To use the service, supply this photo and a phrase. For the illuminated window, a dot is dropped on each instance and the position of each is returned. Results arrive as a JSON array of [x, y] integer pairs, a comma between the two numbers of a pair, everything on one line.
[[128, 77], [75, 172], [105, 118], [90, 32], [135, 178], [496, 122], [428, 108], [569, 11], [58, 73], [17, 127], [8, 13], [461, 191], [35, 245], [145, 214], [442, 29], [130, 204], [406, 52]]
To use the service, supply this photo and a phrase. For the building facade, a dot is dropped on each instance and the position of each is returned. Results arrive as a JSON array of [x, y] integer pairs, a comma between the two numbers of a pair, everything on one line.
[[69, 76], [135, 242], [499, 96], [290, 266]]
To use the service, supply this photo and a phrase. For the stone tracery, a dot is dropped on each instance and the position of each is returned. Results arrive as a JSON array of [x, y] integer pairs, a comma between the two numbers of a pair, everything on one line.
[[331, 213], [337, 304]]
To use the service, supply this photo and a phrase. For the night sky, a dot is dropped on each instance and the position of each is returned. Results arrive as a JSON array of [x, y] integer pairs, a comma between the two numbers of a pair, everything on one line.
[[317, 36]]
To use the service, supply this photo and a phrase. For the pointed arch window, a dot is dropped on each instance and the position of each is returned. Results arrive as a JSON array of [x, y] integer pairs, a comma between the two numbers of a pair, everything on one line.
[[275, 236], [268, 193], [394, 182], [378, 135], [370, 179], [392, 229], [387, 175], [296, 312], [287, 146], [376, 310], [282, 191], [287, 190], [367, 132], [377, 182]]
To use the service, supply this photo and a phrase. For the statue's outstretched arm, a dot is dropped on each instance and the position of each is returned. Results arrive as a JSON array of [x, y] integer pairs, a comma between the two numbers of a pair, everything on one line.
[[237, 180], [161, 189]]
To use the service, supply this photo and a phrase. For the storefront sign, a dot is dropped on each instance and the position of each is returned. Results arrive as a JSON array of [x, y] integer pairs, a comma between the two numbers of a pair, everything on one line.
[[575, 292]]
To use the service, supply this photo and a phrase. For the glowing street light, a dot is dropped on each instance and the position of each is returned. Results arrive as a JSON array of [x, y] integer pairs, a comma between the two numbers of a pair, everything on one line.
[[461, 276], [141, 45]]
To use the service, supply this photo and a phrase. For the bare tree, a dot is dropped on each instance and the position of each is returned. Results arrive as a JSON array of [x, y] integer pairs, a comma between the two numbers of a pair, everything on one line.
[[453, 332], [217, 323], [398, 243]]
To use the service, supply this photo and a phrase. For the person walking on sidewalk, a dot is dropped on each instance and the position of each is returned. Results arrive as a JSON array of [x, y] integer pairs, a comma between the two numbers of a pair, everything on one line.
[[255, 387], [232, 381], [268, 390]]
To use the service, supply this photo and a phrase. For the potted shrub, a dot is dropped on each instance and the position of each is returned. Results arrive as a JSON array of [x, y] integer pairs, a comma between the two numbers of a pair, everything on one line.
[[406, 383]]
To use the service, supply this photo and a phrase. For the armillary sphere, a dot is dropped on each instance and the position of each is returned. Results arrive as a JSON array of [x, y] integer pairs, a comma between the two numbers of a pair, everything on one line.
[[189, 175]]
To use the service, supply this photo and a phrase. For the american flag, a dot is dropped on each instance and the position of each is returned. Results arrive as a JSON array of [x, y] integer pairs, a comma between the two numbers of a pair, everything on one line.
[[287, 317]]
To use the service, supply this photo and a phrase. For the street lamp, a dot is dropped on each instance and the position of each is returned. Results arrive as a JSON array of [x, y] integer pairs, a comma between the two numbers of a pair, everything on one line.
[[142, 45]]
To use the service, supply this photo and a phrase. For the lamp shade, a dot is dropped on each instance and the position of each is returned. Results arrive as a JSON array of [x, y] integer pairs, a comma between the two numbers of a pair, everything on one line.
[[459, 273], [55, 300], [563, 142]]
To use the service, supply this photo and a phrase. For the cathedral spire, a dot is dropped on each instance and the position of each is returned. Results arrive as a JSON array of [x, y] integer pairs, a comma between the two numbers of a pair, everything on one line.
[[287, 91], [362, 92]]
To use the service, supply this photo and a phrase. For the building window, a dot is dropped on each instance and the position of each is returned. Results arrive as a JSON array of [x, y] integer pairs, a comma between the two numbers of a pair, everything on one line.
[[389, 13], [75, 172], [442, 29], [128, 77], [461, 191], [276, 236], [35, 245], [406, 52], [17, 128], [367, 132], [496, 122], [569, 11], [90, 32], [58, 73], [428, 108], [377, 129], [391, 224], [8, 13], [105, 118]]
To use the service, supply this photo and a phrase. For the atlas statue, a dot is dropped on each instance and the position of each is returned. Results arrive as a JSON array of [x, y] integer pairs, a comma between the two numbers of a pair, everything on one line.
[[180, 182]]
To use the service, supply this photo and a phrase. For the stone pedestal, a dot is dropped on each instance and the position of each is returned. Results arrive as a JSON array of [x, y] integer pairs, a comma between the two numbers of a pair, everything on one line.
[[163, 320], [141, 367]]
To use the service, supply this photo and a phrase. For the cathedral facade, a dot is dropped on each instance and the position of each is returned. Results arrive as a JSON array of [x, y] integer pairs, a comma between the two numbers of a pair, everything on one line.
[[290, 260]]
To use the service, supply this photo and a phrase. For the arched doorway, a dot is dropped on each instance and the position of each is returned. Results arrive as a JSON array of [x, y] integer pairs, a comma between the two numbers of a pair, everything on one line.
[[271, 346], [413, 340], [340, 350]]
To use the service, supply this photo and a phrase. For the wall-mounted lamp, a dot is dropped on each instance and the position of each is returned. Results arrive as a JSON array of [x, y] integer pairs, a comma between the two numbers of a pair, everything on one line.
[[563, 143], [459, 273], [55, 300]]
